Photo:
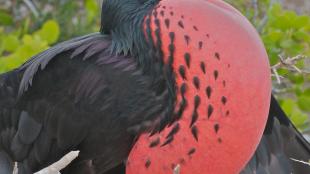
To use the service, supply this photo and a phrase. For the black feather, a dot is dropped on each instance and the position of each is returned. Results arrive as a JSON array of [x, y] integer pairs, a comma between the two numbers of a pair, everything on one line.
[[280, 144]]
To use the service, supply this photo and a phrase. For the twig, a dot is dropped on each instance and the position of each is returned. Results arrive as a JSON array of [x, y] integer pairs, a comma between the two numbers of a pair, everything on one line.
[[302, 162], [15, 170], [276, 74], [62, 163], [289, 64]]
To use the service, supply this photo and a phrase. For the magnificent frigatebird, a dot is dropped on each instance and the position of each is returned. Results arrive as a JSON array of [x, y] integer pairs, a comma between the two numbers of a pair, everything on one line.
[[184, 85]]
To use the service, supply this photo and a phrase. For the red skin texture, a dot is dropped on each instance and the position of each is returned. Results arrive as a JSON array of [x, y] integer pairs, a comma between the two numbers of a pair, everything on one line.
[[243, 78]]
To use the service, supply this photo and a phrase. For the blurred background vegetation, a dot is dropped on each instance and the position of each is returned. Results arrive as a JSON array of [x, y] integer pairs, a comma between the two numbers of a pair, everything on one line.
[[28, 27]]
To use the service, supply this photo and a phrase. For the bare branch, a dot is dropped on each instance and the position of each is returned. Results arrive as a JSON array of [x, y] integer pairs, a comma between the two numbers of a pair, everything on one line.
[[299, 161], [289, 64], [276, 74], [15, 170]]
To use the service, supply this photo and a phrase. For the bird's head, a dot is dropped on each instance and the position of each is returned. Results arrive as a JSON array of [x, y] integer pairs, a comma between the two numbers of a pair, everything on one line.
[[116, 13], [123, 21]]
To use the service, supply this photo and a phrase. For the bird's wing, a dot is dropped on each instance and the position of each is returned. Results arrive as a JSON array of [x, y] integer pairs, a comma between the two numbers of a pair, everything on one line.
[[77, 96], [8, 118], [280, 145]]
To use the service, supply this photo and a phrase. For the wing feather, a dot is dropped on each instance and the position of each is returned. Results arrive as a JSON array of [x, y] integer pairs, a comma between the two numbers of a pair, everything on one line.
[[280, 143], [77, 95]]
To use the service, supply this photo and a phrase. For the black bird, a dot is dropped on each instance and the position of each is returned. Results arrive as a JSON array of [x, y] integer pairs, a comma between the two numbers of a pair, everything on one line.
[[98, 93]]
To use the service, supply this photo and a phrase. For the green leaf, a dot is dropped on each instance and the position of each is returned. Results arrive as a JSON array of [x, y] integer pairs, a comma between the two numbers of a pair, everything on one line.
[[302, 35], [92, 9], [291, 108], [49, 32], [298, 91], [307, 93], [287, 43], [275, 35], [10, 43], [288, 106], [296, 78], [304, 103], [275, 10], [300, 119], [301, 21], [5, 18]]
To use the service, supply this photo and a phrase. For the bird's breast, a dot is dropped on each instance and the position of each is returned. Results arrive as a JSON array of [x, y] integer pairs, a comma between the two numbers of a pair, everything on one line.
[[223, 89]]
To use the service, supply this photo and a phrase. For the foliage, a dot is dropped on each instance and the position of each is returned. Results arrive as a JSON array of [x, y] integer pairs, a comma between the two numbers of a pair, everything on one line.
[[78, 22], [5, 18], [287, 33], [16, 47], [21, 39], [284, 33]]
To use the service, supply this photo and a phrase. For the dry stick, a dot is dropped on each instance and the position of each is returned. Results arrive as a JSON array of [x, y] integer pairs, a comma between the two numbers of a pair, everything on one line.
[[276, 74], [289, 64], [59, 165], [303, 162], [15, 170]]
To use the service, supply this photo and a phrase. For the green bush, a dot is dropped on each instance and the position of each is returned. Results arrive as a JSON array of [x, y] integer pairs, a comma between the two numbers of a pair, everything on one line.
[[21, 39], [288, 34], [16, 47]]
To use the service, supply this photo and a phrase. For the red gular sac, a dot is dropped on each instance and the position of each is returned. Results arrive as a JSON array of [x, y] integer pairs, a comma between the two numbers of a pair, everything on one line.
[[223, 90]]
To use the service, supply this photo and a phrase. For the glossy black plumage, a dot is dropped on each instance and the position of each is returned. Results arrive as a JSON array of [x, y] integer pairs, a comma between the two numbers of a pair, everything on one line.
[[77, 96], [96, 93]]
